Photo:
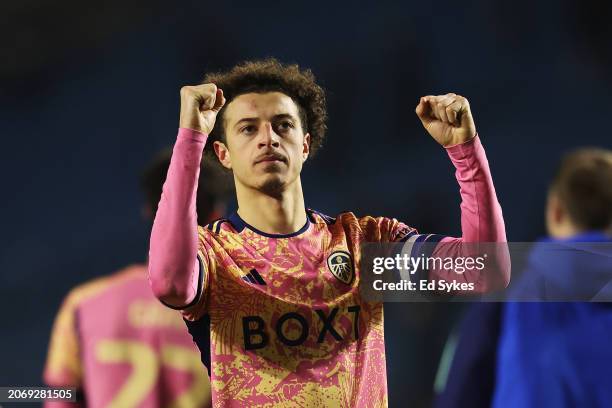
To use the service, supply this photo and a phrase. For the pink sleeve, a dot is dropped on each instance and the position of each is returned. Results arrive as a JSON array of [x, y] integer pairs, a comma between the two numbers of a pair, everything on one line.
[[173, 264], [481, 219]]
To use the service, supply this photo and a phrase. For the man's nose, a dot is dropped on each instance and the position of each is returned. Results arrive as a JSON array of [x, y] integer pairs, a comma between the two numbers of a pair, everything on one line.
[[268, 137]]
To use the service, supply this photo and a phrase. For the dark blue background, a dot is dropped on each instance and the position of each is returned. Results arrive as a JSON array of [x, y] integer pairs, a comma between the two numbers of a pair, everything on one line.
[[90, 92]]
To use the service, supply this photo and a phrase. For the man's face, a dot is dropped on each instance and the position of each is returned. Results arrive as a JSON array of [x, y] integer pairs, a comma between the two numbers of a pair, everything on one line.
[[265, 144]]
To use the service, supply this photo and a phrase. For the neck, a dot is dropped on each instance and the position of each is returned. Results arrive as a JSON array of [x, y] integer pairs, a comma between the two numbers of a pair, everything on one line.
[[564, 230], [284, 213]]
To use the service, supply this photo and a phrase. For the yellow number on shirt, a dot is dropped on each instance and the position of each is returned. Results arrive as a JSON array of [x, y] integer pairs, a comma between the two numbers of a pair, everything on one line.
[[181, 358], [145, 368]]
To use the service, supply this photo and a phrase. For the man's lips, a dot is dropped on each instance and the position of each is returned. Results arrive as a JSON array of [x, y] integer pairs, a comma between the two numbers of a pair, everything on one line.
[[269, 158]]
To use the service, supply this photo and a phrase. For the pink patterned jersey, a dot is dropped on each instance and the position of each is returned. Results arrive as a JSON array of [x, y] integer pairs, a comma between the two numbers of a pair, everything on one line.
[[114, 341], [279, 318]]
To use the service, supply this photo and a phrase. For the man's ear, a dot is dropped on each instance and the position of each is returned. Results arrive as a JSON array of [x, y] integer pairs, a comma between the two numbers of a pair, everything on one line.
[[223, 154], [555, 213], [557, 209], [306, 147]]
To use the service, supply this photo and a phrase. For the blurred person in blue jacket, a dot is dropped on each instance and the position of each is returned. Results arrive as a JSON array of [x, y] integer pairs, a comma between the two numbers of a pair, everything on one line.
[[555, 350], [551, 348]]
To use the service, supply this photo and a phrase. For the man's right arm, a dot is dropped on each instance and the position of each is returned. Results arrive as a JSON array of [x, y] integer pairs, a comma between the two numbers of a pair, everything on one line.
[[173, 264]]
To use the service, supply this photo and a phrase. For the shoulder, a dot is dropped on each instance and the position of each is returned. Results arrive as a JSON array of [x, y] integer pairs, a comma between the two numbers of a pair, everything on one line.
[[343, 219], [386, 228], [317, 217], [348, 217], [214, 227], [374, 228], [96, 286]]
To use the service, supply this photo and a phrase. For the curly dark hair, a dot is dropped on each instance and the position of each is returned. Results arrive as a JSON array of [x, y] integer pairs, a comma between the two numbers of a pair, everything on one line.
[[270, 75]]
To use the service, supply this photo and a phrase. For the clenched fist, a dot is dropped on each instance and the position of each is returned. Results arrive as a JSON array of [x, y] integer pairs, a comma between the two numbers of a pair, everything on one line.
[[447, 118], [199, 107]]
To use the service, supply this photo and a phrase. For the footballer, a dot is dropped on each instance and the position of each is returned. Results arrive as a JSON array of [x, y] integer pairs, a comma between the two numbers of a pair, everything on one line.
[[115, 343], [270, 294]]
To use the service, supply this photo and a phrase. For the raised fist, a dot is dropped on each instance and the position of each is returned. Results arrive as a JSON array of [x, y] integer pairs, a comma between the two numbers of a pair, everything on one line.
[[447, 118], [199, 107]]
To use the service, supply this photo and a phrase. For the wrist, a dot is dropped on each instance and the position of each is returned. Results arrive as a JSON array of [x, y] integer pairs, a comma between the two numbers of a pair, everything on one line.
[[461, 141], [190, 122], [192, 134]]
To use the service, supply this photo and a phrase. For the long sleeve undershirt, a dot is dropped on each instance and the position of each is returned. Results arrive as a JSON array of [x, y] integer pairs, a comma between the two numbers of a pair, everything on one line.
[[173, 264]]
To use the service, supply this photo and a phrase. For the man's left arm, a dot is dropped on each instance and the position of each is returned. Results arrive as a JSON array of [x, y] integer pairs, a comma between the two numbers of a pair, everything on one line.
[[448, 119]]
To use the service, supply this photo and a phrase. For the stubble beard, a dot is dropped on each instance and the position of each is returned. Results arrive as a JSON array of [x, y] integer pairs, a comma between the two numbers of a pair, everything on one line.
[[273, 186]]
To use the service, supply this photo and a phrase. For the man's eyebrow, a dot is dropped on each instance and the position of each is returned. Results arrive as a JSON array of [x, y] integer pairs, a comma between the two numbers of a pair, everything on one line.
[[275, 117], [246, 120], [283, 116]]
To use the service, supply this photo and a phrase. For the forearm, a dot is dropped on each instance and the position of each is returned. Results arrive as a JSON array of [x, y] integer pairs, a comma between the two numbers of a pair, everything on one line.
[[481, 219], [481, 214], [173, 264]]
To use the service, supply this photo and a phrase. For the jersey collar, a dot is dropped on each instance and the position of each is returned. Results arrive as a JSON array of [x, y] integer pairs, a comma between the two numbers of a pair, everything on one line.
[[239, 225]]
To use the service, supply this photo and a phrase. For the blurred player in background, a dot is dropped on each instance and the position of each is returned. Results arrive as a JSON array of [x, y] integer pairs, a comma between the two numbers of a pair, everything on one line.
[[114, 341], [558, 354], [271, 294], [523, 354]]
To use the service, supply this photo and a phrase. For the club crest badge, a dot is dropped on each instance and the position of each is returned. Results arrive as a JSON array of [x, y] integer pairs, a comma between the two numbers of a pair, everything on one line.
[[341, 266]]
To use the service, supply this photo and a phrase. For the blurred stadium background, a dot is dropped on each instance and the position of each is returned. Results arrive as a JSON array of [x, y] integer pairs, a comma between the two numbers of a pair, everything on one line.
[[89, 92]]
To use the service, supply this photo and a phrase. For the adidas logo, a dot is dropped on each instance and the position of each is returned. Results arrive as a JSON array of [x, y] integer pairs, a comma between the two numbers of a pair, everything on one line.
[[254, 277]]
